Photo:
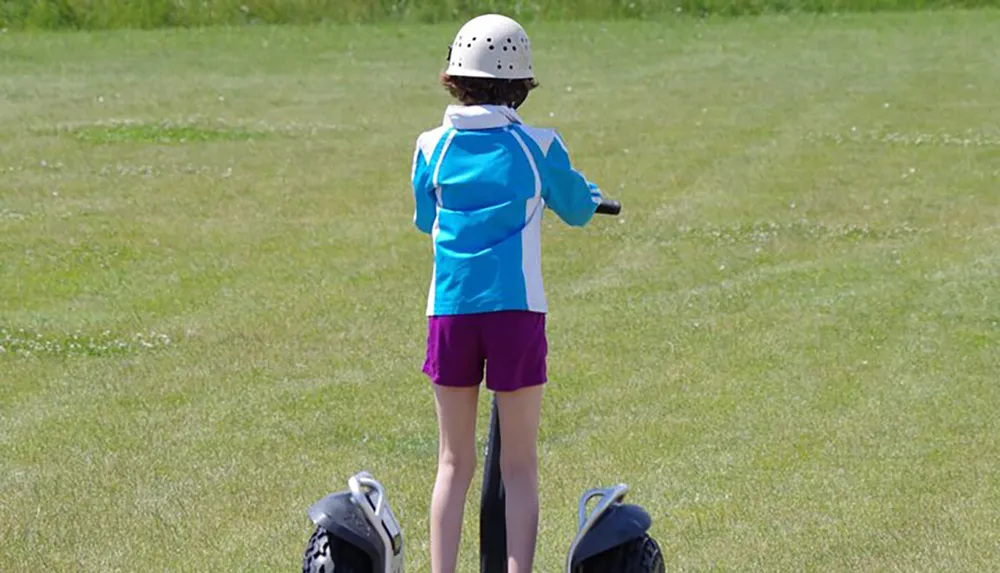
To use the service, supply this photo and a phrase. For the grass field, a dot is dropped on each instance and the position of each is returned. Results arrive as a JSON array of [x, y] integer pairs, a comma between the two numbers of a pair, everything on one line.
[[144, 14], [212, 294]]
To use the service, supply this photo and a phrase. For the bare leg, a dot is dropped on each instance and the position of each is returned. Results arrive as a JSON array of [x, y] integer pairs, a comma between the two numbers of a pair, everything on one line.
[[456, 411], [520, 412]]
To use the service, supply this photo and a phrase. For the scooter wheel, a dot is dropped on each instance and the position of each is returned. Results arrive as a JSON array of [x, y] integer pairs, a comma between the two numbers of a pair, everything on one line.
[[641, 555], [326, 554]]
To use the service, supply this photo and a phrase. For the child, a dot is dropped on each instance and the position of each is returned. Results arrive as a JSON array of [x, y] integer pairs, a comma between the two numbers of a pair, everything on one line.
[[480, 183]]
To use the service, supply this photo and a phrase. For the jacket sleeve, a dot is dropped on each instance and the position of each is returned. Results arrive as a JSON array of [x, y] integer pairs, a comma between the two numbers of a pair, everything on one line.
[[566, 191], [425, 204]]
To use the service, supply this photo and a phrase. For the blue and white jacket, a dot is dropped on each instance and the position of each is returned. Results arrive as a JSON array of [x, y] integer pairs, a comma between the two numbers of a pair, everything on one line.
[[481, 182]]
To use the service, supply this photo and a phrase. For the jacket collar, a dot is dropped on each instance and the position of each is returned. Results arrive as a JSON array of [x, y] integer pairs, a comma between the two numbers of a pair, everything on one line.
[[479, 116]]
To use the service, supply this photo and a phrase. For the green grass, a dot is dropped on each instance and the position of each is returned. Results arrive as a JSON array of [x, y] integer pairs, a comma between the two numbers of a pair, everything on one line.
[[788, 344], [163, 133], [111, 14]]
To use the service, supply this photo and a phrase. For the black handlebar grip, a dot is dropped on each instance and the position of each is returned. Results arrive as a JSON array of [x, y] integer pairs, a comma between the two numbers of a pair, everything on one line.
[[609, 207]]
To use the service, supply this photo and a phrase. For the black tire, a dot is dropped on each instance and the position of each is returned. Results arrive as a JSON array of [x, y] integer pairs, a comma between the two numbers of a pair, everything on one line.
[[326, 554], [641, 555]]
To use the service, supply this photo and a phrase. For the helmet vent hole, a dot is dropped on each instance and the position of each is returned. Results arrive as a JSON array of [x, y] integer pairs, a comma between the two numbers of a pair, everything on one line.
[[514, 48], [509, 41], [505, 48], [491, 47], [499, 67], [512, 66]]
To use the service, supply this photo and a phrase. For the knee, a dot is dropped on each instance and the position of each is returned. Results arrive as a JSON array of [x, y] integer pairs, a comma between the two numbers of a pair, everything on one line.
[[461, 466], [518, 465]]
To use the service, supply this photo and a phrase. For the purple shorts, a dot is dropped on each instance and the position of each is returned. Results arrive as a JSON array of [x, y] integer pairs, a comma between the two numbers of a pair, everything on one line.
[[509, 347]]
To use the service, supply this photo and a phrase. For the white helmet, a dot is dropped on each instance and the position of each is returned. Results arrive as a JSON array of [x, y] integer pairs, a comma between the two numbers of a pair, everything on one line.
[[491, 46]]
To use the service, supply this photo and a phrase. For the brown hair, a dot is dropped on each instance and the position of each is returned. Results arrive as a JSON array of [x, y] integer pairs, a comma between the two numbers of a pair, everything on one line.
[[488, 91]]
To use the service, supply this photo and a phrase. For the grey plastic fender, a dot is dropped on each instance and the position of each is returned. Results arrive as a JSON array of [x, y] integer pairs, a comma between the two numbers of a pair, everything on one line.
[[338, 515], [619, 524], [612, 522]]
